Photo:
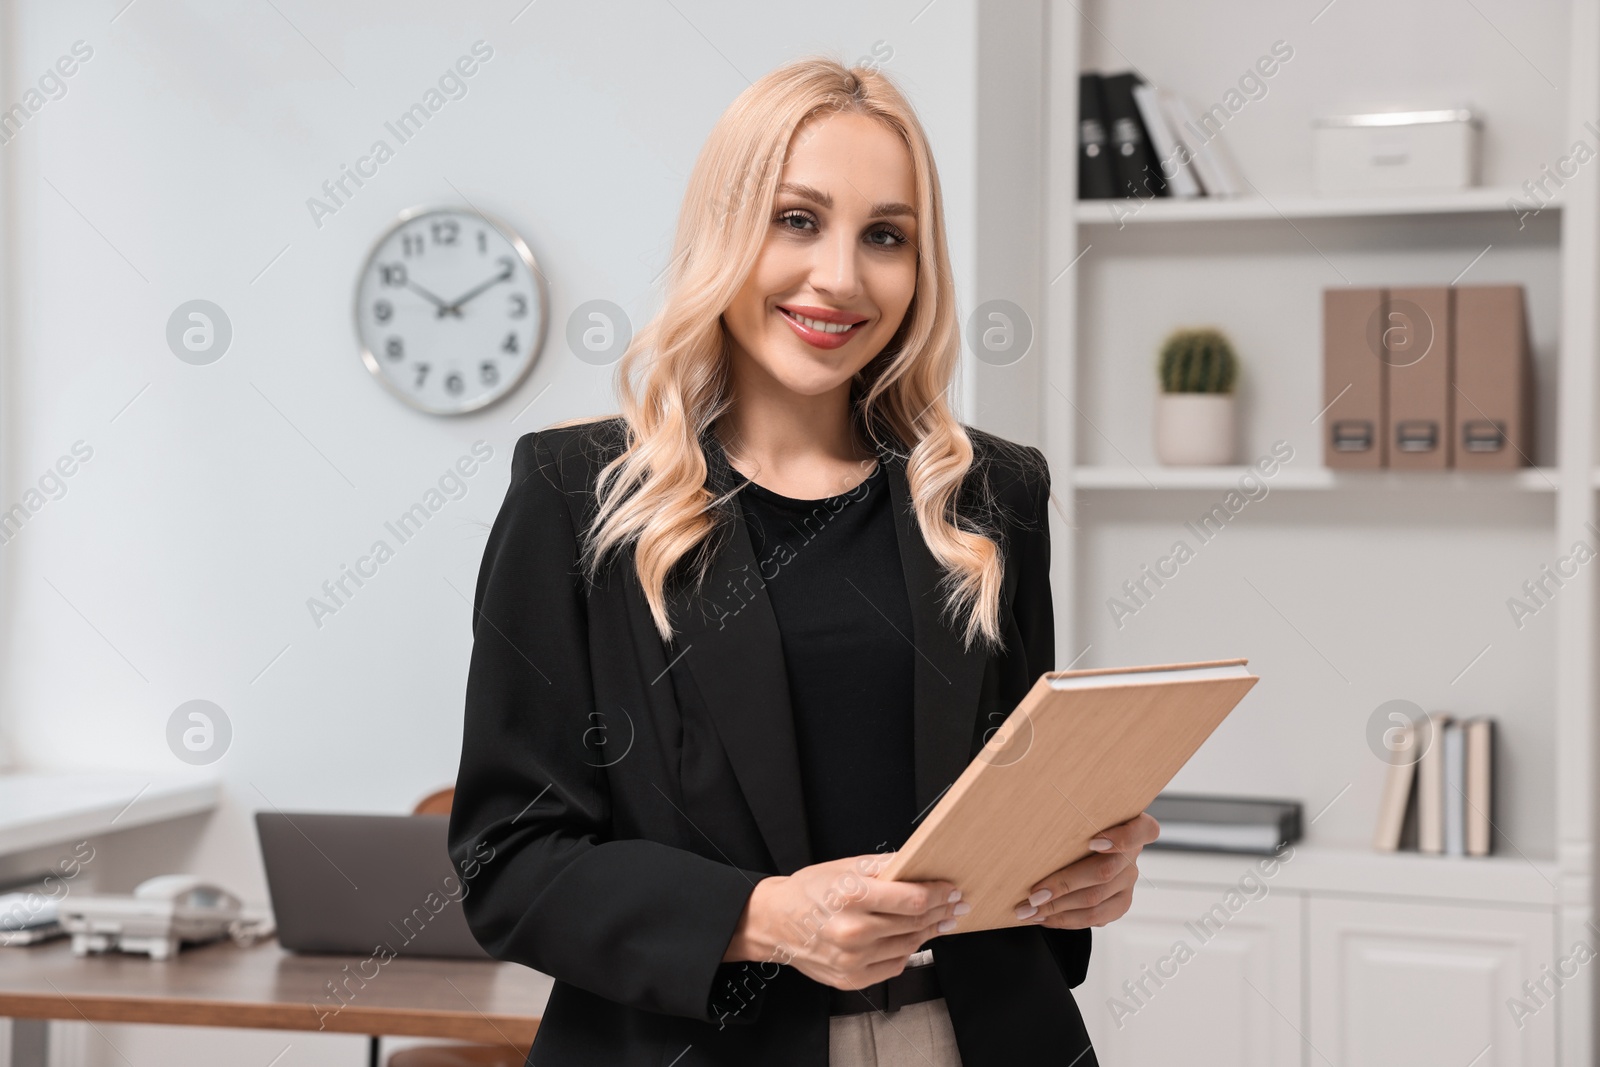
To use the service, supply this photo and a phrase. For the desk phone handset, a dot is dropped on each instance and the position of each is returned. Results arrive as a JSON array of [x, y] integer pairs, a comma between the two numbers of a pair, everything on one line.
[[157, 918]]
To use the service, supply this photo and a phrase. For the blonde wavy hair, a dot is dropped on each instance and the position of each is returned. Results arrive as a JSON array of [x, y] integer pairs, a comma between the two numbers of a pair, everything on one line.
[[672, 382]]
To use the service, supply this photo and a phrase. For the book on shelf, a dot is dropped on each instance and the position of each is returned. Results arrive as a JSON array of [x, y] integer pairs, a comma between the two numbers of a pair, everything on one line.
[[1455, 796], [1443, 802], [1138, 171], [1224, 824], [1137, 140], [1179, 176], [1399, 789], [1430, 787], [1096, 175], [1218, 173], [1480, 785]]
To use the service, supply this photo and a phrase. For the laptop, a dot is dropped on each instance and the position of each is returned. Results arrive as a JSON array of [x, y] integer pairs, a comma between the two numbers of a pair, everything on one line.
[[365, 884]]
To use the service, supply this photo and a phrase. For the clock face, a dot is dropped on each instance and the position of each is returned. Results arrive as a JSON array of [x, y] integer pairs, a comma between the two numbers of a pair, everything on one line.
[[450, 310]]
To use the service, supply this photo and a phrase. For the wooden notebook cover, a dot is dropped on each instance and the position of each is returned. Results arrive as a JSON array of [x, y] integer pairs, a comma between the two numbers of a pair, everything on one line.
[[1065, 765]]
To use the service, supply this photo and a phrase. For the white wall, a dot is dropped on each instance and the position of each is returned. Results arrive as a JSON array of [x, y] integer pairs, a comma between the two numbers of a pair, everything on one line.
[[219, 498]]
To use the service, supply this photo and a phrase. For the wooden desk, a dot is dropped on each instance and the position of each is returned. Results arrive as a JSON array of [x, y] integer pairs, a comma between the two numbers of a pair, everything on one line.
[[265, 987]]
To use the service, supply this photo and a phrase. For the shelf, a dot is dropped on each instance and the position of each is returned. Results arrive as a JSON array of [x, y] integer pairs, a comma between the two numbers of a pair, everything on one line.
[[1531, 479], [1296, 206], [47, 808], [1326, 869]]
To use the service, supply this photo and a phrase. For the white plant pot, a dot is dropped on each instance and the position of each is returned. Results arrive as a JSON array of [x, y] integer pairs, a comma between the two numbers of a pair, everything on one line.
[[1195, 429]]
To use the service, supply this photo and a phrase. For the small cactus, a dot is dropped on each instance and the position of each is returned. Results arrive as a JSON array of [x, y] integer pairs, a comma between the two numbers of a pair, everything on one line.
[[1197, 361]]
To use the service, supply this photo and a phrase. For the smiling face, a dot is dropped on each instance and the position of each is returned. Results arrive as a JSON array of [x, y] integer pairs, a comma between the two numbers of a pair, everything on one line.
[[838, 268]]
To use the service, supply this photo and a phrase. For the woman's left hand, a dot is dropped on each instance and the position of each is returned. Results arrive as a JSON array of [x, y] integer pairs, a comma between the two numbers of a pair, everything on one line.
[[1096, 889]]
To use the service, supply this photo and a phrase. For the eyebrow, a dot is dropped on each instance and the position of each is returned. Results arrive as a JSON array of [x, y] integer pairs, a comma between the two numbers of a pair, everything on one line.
[[878, 210]]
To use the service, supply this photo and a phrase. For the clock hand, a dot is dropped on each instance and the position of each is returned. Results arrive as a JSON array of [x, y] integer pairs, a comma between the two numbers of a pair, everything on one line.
[[504, 275], [438, 303]]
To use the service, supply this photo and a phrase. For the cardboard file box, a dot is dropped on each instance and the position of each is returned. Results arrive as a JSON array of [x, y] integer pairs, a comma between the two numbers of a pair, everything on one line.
[[1493, 394], [1417, 346], [1354, 380], [1427, 378]]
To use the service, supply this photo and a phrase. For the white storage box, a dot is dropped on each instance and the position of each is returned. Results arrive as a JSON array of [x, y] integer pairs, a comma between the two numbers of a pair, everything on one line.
[[1395, 150]]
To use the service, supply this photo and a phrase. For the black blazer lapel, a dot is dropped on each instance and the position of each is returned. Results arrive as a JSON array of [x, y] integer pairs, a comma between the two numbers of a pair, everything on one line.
[[728, 637]]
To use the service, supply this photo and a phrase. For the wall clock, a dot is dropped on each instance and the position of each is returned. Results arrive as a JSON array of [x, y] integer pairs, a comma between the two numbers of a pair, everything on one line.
[[450, 310]]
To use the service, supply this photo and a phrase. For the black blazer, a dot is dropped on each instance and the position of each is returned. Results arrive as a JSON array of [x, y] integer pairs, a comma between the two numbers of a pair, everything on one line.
[[617, 800]]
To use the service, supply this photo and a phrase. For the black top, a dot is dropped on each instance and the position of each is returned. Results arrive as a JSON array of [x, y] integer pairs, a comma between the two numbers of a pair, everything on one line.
[[832, 572]]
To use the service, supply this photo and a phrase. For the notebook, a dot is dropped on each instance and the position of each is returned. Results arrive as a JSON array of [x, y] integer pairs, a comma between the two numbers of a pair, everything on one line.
[[1083, 751]]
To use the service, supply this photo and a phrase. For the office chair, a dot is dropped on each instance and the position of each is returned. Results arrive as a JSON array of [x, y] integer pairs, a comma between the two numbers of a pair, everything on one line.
[[438, 803]]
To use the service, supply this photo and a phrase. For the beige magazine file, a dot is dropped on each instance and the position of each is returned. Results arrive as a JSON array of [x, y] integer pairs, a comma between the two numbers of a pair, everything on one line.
[[1085, 750]]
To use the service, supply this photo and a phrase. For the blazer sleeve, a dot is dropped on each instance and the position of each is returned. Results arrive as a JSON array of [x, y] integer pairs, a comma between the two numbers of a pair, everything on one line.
[[1034, 608], [635, 921]]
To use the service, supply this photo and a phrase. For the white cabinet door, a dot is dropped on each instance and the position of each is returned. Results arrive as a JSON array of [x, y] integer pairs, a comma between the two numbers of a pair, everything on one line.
[[1423, 984], [1198, 978]]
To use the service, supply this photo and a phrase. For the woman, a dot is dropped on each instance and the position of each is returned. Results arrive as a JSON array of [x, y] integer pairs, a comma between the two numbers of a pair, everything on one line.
[[731, 644]]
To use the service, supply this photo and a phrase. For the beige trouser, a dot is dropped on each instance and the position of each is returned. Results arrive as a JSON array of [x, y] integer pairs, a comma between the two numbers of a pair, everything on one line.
[[917, 1035]]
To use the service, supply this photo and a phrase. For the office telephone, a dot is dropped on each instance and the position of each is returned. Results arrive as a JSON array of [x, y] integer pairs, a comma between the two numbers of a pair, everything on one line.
[[157, 918]]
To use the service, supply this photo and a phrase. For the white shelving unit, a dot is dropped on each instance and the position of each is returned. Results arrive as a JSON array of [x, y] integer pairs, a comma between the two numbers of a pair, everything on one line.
[[1303, 206], [1345, 589], [1529, 480], [1357, 872]]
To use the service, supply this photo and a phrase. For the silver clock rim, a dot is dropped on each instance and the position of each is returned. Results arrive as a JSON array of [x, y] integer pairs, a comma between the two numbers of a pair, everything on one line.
[[541, 292]]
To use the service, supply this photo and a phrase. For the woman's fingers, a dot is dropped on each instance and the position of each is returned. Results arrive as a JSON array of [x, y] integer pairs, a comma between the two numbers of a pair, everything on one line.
[[1091, 870], [875, 910], [1108, 910], [1092, 894], [890, 954], [908, 906], [908, 898], [864, 928], [899, 908], [870, 925], [1116, 849], [890, 965], [875, 959], [1136, 833]]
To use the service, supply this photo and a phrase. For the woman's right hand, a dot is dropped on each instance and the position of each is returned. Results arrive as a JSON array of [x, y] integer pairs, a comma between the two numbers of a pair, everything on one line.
[[839, 924]]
